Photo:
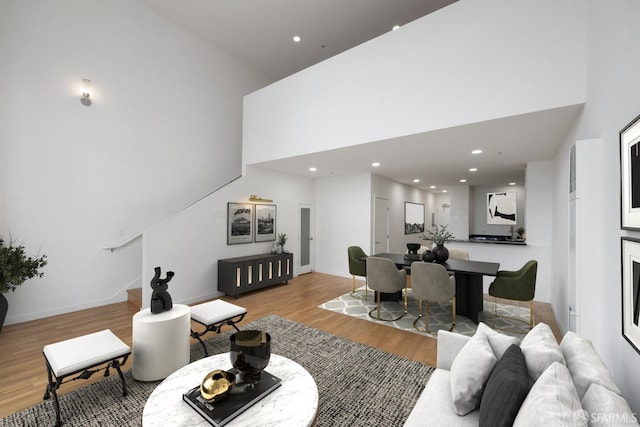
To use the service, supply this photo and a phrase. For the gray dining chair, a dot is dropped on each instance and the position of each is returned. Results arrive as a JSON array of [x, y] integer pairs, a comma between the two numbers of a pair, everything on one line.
[[458, 253], [357, 267], [431, 282], [384, 276]]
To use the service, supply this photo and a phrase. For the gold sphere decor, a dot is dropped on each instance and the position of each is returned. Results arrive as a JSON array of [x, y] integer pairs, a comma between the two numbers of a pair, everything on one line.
[[216, 385]]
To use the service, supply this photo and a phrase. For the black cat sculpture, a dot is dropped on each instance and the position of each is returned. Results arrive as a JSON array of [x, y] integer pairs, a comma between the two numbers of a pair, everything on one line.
[[160, 299]]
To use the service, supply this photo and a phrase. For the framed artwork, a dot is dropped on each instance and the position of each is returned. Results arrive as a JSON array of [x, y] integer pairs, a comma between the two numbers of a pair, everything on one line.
[[413, 218], [265, 223], [239, 223], [630, 176], [631, 291], [502, 208]]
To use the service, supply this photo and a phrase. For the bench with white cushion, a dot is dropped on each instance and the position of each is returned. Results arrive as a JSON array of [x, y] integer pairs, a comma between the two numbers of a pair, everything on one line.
[[213, 315], [77, 356]]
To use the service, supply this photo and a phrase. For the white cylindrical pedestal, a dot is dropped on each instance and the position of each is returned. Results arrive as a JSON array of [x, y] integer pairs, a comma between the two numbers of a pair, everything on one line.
[[160, 342]]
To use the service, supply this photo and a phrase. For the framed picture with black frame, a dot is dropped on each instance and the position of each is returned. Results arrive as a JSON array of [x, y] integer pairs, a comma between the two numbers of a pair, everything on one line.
[[239, 223], [630, 250], [413, 218], [630, 176], [502, 208], [265, 226]]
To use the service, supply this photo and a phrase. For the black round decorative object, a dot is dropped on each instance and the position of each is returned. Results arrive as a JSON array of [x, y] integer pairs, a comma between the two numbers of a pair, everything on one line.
[[441, 253], [428, 256], [250, 354]]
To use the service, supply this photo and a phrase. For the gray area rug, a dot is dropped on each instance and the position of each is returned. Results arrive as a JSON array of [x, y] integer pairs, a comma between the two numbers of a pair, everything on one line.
[[358, 385], [439, 314]]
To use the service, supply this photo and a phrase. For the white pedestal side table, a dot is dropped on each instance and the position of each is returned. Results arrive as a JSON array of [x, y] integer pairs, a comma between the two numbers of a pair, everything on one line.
[[160, 342], [294, 403]]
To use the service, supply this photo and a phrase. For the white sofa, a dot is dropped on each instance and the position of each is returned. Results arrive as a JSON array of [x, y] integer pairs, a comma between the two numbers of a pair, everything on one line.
[[558, 385]]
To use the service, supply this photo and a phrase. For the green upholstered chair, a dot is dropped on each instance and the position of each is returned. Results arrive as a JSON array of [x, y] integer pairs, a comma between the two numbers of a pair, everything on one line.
[[384, 276], [517, 285], [357, 267], [431, 282]]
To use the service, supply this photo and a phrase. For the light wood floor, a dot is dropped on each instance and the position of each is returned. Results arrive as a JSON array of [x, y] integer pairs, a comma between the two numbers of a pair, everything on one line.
[[22, 370]]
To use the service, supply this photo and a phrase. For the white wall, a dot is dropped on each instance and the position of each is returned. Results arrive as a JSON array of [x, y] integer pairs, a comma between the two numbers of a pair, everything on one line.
[[442, 212], [478, 223], [613, 64], [192, 242], [466, 63], [343, 219], [164, 128], [459, 211], [397, 194]]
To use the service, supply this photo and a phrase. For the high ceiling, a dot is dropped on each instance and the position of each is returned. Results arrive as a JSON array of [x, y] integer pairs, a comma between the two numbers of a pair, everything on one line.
[[260, 33]]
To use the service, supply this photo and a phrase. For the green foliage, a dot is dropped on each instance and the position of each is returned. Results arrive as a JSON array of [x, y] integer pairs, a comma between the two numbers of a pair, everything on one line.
[[438, 234], [282, 239], [16, 266]]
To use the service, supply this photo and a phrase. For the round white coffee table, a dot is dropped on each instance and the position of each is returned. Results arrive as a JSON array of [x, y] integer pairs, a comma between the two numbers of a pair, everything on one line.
[[294, 403]]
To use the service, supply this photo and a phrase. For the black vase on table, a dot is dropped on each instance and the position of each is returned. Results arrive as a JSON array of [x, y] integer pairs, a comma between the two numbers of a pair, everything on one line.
[[250, 354], [428, 256], [441, 253]]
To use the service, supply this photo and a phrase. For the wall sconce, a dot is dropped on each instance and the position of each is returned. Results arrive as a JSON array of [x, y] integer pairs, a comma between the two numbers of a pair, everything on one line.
[[86, 92], [254, 198]]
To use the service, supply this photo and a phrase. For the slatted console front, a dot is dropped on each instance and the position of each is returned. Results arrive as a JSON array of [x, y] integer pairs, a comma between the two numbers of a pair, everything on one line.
[[248, 273]]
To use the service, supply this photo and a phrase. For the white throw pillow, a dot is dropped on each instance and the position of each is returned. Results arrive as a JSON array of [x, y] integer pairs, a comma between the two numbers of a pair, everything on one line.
[[470, 371], [585, 364], [499, 342], [540, 350], [552, 401], [606, 408]]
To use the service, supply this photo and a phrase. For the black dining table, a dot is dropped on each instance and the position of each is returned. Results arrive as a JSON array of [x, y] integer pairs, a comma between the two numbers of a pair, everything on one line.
[[468, 275]]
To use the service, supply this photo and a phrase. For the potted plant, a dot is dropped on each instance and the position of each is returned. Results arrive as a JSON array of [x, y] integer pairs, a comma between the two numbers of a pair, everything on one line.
[[439, 235], [15, 268], [282, 239]]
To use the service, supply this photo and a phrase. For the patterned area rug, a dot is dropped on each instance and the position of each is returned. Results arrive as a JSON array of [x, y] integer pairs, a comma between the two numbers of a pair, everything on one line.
[[358, 385], [439, 314]]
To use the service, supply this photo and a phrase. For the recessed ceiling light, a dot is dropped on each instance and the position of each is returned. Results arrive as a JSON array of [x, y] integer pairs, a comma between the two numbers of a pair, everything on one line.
[[375, 164], [312, 169], [463, 180], [476, 152], [432, 187], [444, 191], [296, 39], [416, 180], [512, 183], [395, 27], [473, 169]]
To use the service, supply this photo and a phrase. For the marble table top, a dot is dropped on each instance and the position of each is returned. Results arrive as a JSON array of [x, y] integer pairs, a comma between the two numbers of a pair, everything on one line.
[[294, 403]]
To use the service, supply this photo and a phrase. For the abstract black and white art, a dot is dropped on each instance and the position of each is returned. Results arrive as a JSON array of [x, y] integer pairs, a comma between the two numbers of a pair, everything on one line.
[[502, 208], [239, 223], [631, 291], [630, 175]]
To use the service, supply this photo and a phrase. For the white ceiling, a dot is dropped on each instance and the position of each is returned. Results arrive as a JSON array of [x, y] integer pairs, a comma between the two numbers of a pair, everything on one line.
[[260, 33]]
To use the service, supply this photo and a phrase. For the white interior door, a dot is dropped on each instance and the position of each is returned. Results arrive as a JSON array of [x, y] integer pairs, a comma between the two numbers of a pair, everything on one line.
[[306, 248], [381, 225]]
